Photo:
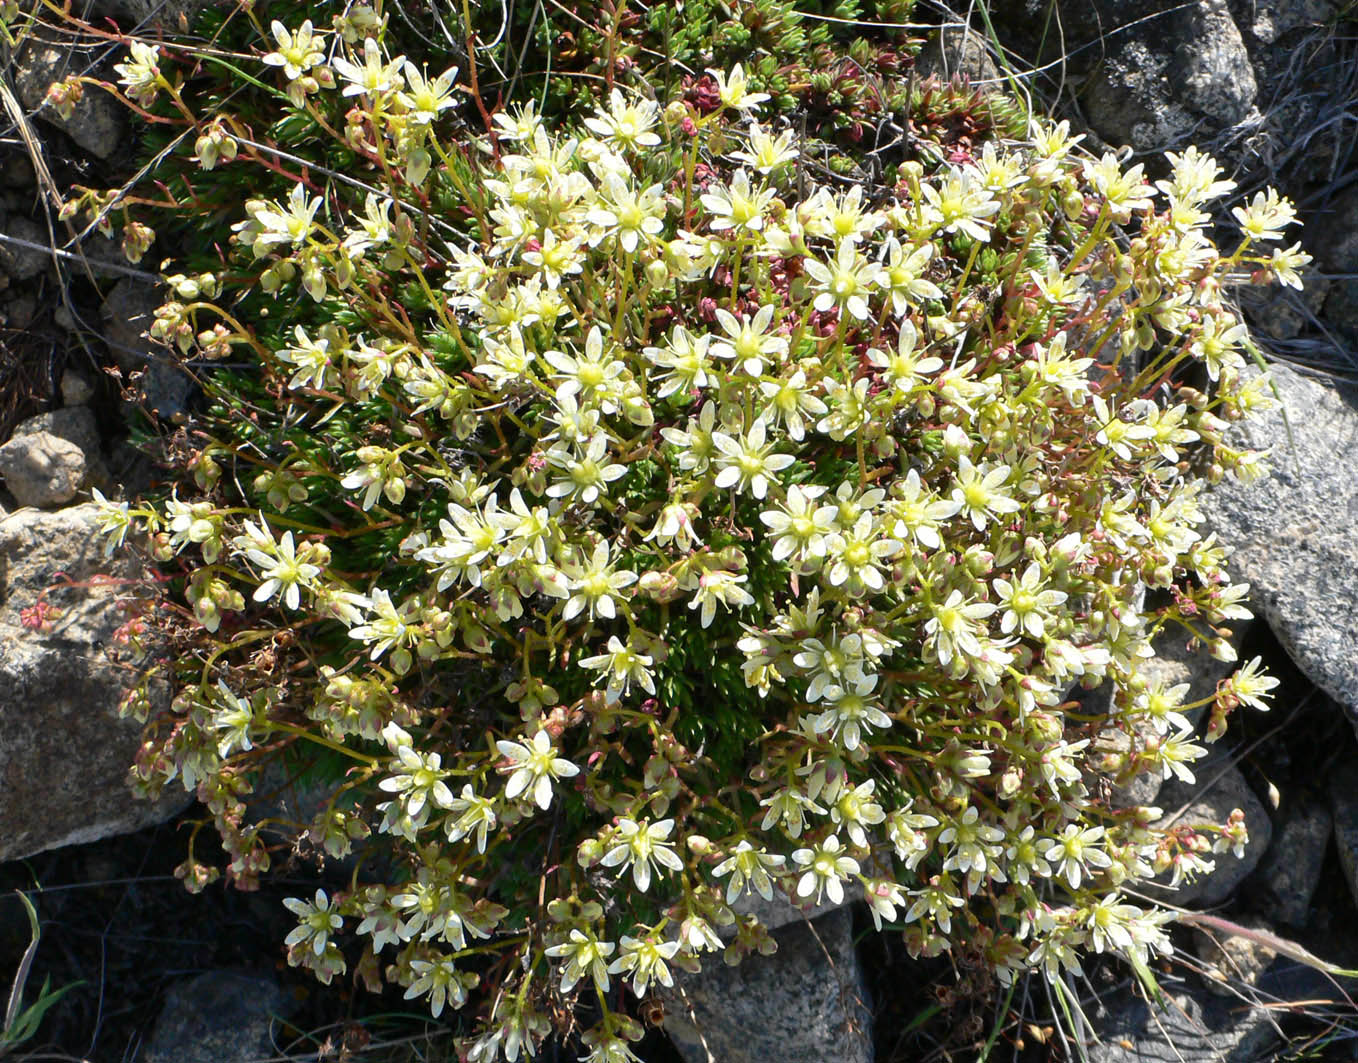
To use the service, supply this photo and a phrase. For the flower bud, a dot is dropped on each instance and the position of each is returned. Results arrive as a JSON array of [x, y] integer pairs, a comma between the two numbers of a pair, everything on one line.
[[659, 586]]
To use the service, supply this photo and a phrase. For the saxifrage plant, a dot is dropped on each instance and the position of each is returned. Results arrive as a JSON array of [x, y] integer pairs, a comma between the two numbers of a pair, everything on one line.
[[625, 524]]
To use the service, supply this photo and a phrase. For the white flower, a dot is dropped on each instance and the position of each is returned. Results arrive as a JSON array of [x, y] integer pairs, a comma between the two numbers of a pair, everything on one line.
[[1026, 603], [593, 585], [685, 360], [738, 207], [471, 813], [979, 493], [962, 204], [115, 520], [746, 462], [584, 955], [424, 99], [316, 921], [622, 666], [374, 78], [282, 572], [955, 628], [388, 628], [626, 124], [1075, 850], [645, 848], [847, 281], [856, 810], [826, 868], [789, 398], [799, 527], [1250, 686], [749, 868], [444, 983], [420, 782], [583, 477], [719, 586], [733, 89], [1266, 215], [850, 712], [765, 153], [749, 342], [857, 554], [140, 73], [533, 767], [919, 513], [235, 717], [646, 959], [296, 53]]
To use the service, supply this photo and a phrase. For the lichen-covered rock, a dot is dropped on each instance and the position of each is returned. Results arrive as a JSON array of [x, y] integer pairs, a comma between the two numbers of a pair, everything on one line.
[[1291, 535], [807, 1003], [1270, 20], [219, 1017], [64, 753], [1163, 77], [1154, 73], [41, 469]]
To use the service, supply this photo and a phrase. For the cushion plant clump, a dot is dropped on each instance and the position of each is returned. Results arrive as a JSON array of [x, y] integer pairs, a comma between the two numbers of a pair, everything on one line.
[[620, 521]]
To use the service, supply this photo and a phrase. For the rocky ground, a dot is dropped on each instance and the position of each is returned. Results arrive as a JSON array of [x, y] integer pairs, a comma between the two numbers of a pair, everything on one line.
[[1272, 85]]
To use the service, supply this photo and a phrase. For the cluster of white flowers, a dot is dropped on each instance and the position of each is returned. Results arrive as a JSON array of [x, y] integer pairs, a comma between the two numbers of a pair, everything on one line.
[[892, 455]]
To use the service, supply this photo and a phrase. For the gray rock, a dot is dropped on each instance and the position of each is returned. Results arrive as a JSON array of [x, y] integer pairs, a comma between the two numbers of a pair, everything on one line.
[[1269, 20], [128, 312], [1343, 794], [16, 171], [958, 51], [1154, 73], [41, 469], [1290, 870], [219, 1017], [1283, 313], [1233, 960], [1193, 1028], [1291, 535], [146, 13], [74, 424], [23, 261], [98, 123], [1164, 77], [76, 389], [1337, 252], [1141, 790], [18, 309], [64, 753], [807, 1003], [1220, 788]]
